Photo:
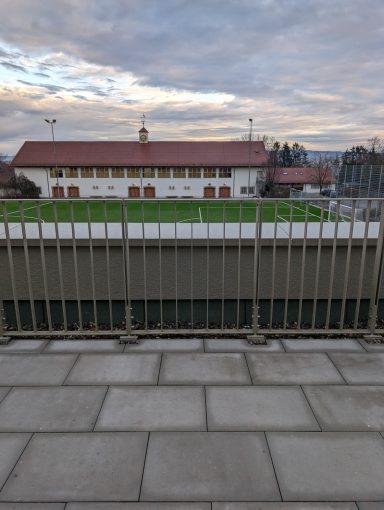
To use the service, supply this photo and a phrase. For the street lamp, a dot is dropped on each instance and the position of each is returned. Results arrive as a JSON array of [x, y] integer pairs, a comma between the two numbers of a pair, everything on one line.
[[249, 156], [51, 122]]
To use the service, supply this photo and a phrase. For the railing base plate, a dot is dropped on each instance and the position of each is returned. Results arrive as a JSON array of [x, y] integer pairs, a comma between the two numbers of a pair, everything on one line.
[[256, 339], [128, 339], [373, 338], [4, 340]]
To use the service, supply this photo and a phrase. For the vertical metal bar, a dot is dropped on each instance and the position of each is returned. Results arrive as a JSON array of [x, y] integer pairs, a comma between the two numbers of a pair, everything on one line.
[[239, 267], [347, 266], [192, 269], [376, 276], [75, 266], [362, 265], [11, 267], [144, 267], [302, 273], [256, 270], [27, 265], [317, 273], [333, 261], [44, 267], [160, 266], [207, 272], [271, 305], [223, 270], [92, 267], [60, 265], [108, 264], [286, 301], [176, 268], [126, 268]]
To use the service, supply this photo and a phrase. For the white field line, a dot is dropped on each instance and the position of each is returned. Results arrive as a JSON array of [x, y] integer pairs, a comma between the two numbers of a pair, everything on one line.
[[302, 210], [201, 219], [188, 220], [27, 209]]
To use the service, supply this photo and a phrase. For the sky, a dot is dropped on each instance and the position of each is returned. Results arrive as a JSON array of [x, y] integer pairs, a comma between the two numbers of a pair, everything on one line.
[[310, 71]]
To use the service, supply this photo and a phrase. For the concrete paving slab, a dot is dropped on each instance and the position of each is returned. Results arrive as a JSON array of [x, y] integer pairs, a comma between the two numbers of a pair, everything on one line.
[[153, 408], [347, 407], [34, 369], [79, 467], [139, 506], [372, 347], [23, 346], [32, 506], [84, 346], [322, 345], [61, 409], [234, 345], [284, 506], [115, 369], [292, 368], [258, 408], [204, 368], [167, 345], [364, 368], [206, 466], [11, 447], [374, 505], [328, 466]]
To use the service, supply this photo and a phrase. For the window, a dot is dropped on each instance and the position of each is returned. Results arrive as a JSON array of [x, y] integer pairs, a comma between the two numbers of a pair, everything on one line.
[[52, 172], [225, 172], [244, 190], [110, 187], [163, 173], [133, 172], [194, 173], [95, 187], [179, 173], [86, 172], [209, 172], [149, 172], [314, 186], [71, 172], [102, 172], [187, 187], [171, 187], [117, 172]]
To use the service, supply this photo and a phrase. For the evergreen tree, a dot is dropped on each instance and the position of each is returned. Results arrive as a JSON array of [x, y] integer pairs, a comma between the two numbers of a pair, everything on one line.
[[286, 155]]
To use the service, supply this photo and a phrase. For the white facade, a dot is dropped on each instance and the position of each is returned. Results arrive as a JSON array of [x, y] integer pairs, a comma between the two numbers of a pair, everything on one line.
[[243, 182]]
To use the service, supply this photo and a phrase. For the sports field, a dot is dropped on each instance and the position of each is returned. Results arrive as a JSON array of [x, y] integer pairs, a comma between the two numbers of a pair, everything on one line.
[[163, 211]]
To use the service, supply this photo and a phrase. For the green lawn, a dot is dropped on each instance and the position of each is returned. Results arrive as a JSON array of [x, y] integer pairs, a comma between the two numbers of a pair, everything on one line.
[[196, 211]]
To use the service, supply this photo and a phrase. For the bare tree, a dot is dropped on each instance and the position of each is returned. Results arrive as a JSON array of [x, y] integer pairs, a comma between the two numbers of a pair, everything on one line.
[[273, 169], [322, 172]]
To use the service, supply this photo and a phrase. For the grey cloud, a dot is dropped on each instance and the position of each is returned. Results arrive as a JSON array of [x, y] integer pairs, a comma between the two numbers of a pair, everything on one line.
[[13, 67]]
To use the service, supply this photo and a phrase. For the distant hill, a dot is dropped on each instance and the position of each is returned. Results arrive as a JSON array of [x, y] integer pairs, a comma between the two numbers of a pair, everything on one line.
[[313, 155]]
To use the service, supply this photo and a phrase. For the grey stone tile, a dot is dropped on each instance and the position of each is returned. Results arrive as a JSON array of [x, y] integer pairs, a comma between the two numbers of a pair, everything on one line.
[[11, 446], [374, 505], [23, 346], [372, 347], [32, 506], [206, 466], [347, 407], [84, 346], [204, 368], [258, 408], [34, 369], [322, 345], [364, 368], [292, 368], [167, 345], [115, 369], [328, 466], [235, 345], [140, 506], [79, 467], [51, 409], [153, 408], [284, 506]]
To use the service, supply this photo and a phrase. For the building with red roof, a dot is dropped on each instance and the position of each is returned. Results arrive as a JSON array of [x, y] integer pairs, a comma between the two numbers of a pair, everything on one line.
[[144, 168]]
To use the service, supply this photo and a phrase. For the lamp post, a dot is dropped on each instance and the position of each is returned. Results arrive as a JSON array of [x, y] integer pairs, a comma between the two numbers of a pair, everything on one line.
[[249, 156], [51, 122]]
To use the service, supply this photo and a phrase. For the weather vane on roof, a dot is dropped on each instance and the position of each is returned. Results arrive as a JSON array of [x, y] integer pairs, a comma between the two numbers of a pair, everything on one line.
[[143, 119]]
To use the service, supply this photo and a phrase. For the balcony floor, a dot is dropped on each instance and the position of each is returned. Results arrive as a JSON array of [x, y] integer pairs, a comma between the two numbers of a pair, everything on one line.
[[191, 425]]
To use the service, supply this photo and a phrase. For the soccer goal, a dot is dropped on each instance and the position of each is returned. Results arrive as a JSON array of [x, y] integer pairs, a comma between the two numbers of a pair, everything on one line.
[[345, 212]]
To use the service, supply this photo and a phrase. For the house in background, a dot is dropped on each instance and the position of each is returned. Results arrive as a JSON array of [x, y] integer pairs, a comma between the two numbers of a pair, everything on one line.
[[144, 168], [304, 179]]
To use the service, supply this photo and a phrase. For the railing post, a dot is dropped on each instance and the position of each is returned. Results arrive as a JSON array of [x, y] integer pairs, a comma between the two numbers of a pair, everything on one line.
[[128, 338], [377, 275], [256, 338]]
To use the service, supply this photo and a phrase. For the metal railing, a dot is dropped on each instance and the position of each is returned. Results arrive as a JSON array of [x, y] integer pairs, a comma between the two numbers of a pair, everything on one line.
[[186, 267]]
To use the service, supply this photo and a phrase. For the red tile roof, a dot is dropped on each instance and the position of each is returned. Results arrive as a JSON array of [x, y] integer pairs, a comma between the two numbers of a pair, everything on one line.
[[40, 154], [305, 175]]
